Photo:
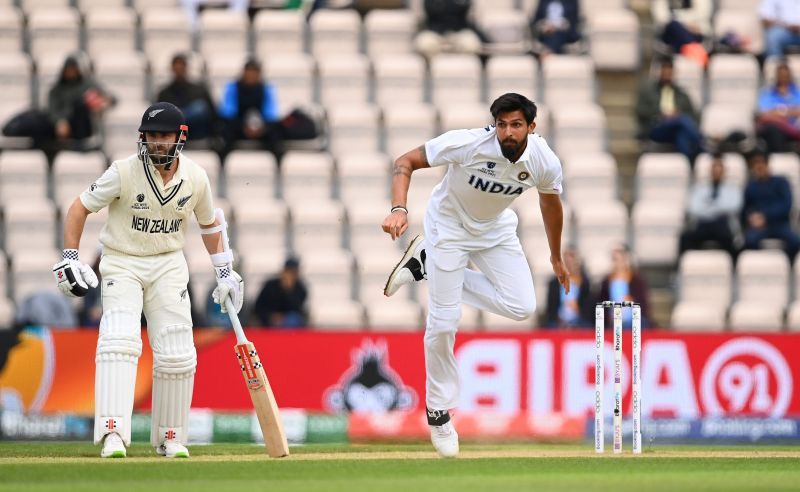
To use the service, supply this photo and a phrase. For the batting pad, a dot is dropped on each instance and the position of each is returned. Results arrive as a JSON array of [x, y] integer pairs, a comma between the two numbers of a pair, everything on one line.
[[174, 362], [118, 348]]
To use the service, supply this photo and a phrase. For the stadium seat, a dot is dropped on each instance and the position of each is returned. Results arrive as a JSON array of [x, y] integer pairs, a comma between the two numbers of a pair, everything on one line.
[[221, 70], [250, 175], [222, 33], [328, 273], [86, 6], [755, 316], [365, 235], [74, 172], [335, 314], [568, 79], [344, 78], [354, 126], [30, 5], [690, 76], [706, 276], [89, 247], [512, 73], [363, 174], [407, 126], [395, 314], [335, 31], [293, 78], [744, 24], [399, 78], [165, 27], [30, 226], [793, 317], [32, 271], [261, 229], [763, 276], [735, 168], [748, 6], [455, 79], [588, 176], [420, 191], [307, 176], [373, 267], [591, 9], [721, 119], [698, 316], [656, 227], [787, 165], [121, 128], [389, 31], [662, 177], [543, 121], [23, 175], [209, 161], [463, 116], [53, 31], [110, 30], [11, 29], [317, 226], [733, 80], [600, 226], [123, 73], [279, 32], [506, 30], [580, 126], [614, 39]]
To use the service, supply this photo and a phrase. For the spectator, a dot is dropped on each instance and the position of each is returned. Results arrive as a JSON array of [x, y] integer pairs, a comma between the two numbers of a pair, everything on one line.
[[683, 22], [713, 213], [625, 283], [250, 110], [666, 115], [213, 316], [767, 208], [75, 99], [576, 308], [47, 308], [555, 24], [91, 309], [447, 28], [779, 111], [281, 302], [192, 98], [781, 19]]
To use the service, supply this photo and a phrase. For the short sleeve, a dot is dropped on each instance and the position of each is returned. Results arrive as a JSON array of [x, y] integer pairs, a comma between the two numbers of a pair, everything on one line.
[[106, 189], [551, 177], [449, 148], [204, 208]]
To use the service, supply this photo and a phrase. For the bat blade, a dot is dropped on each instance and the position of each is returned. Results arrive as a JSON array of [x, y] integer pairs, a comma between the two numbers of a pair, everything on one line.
[[263, 400]]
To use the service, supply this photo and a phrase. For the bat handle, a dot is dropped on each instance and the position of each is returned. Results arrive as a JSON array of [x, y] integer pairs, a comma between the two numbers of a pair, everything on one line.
[[237, 325]]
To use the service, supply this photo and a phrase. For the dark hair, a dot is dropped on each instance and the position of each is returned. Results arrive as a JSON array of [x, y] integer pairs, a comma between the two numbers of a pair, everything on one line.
[[665, 61], [252, 64], [514, 102], [179, 57]]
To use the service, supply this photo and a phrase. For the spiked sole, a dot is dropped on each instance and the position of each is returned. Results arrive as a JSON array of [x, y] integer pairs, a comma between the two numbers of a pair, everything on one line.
[[406, 256], [116, 454]]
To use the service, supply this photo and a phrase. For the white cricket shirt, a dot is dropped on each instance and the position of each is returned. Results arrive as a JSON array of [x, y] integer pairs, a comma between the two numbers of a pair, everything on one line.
[[481, 183], [145, 215]]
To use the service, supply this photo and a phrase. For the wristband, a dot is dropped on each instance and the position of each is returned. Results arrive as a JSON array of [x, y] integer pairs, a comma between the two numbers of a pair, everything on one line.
[[398, 207], [70, 254]]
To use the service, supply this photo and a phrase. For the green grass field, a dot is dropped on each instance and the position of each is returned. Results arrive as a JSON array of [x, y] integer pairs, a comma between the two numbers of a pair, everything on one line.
[[405, 468]]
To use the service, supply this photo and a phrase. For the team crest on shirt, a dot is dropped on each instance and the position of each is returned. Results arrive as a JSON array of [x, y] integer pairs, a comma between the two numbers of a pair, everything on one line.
[[522, 176], [140, 204], [182, 202]]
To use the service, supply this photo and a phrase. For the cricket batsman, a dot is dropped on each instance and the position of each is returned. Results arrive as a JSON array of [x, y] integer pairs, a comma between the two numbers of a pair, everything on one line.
[[150, 197]]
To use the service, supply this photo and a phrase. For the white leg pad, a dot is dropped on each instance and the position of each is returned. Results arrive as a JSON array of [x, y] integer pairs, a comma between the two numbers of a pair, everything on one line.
[[118, 348], [174, 362]]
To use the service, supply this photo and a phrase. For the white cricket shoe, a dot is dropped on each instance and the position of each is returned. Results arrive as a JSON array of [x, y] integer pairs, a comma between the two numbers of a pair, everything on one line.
[[410, 268], [172, 449], [445, 440], [113, 447]]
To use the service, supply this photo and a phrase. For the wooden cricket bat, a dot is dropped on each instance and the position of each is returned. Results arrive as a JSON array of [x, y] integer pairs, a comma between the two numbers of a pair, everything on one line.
[[260, 391]]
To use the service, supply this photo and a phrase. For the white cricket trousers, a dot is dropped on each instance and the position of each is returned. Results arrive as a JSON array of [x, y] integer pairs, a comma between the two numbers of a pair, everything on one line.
[[503, 286]]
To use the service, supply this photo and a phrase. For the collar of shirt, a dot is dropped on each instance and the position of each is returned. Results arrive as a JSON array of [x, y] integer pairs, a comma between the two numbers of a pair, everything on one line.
[[524, 157], [179, 175]]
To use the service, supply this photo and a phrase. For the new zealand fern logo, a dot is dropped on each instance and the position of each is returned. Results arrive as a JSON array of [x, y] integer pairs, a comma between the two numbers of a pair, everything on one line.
[[183, 201]]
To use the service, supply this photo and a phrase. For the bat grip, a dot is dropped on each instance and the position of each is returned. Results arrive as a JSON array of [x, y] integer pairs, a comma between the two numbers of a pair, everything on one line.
[[237, 325]]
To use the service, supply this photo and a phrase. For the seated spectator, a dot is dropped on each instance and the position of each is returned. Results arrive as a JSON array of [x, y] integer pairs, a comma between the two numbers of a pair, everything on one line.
[[779, 112], [192, 98], [281, 302], [555, 24], [212, 315], [781, 19], [713, 213], [767, 208], [447, 28], [75, 99], [684, 23], [250, 110], [47, 308], [575, 309], [625, 283], [665, 114]]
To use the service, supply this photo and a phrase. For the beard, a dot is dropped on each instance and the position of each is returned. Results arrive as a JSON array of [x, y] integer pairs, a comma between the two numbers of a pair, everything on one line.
[[158, 156], [510, 148]]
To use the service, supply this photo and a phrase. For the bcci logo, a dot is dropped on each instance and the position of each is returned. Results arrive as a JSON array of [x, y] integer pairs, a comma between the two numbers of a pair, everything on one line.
[[370, 384], [523, 176]]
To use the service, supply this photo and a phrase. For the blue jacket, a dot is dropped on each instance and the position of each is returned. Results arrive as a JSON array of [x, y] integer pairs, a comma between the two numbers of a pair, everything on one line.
[[772, 197], [229, 109]]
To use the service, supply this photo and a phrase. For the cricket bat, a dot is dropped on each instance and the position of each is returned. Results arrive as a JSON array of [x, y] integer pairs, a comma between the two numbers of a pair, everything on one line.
[[260, 391]]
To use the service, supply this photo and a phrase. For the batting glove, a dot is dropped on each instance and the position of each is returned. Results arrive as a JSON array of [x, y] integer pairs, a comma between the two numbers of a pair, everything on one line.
[[229, 284], [73, 277]]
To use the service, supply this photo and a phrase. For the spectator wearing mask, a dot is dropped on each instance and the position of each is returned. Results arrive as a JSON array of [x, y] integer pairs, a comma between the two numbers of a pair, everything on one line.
[[574, 309], [665, 113], [555, 24], [191, 97], [781, 20], [281, 302], [779, 112], [767, 208], [447, 28]]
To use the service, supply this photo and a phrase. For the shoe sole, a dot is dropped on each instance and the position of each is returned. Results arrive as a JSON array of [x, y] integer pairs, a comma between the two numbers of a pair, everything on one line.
[[406, 256], [115, 454], [180, 454]]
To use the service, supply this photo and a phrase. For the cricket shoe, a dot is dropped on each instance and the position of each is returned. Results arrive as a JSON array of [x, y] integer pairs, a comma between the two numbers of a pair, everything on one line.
[[113, 447], [443, 435], [172, 449], [411, 267]]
